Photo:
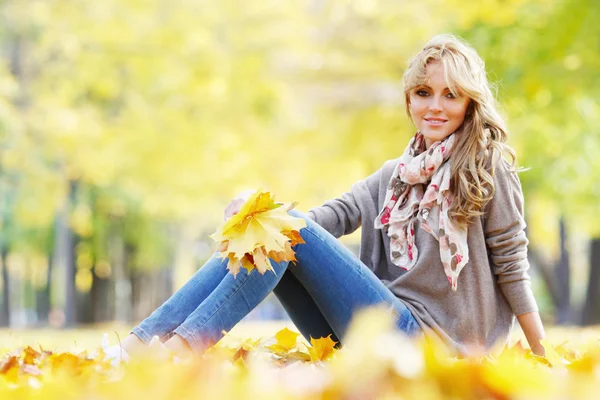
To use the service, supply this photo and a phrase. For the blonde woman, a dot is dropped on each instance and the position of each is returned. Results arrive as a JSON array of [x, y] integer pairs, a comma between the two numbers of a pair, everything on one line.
[[443, 241]]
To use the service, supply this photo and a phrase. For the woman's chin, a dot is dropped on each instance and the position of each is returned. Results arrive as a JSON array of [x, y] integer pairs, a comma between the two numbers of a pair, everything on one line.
[[436, 136]]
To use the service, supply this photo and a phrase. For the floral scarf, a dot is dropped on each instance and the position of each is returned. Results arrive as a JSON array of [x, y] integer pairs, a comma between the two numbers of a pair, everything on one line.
[[420, 189]]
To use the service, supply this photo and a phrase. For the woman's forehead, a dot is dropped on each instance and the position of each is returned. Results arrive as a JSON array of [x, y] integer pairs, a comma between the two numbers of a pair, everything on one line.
[[435, 75]]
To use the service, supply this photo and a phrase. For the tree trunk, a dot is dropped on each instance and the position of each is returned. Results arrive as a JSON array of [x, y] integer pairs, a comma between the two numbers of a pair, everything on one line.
[[100, 295], [84, 309], [5, 311], [166, 289], [563, 278], [70, 243], [42, 296], [137, 286], [85, 303], [557, 276], [591, 309], [119, 260]]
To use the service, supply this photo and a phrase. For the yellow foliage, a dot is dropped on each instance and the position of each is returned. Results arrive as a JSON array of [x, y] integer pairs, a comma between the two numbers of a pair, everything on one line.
[[102, 269], [286, 340], [261, 230], [322, 349], [83, 280], [376, 362]]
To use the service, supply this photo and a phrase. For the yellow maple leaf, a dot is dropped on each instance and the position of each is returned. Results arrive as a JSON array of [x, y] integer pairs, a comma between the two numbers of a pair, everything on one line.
[[322, 349], [247, 262], [261, 261], [8, 363], [261, 230], [29, 355], [552, 356], [294, 236], [65, 362], [512, 375], [286, 341], [287, 338]]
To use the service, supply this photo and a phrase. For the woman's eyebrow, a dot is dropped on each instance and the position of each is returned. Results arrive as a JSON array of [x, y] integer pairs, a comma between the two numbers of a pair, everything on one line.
[[429, 87]]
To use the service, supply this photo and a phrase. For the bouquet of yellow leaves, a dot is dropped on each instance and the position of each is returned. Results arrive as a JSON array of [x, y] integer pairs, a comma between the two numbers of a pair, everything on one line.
[[262, 229]]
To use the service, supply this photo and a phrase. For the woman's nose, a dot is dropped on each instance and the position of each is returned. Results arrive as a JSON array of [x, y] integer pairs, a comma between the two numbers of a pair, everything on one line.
[[435, 104]]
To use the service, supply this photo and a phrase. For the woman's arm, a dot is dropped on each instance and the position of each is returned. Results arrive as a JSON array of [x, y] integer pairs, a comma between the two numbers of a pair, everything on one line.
[[507, 244], [534, 331]]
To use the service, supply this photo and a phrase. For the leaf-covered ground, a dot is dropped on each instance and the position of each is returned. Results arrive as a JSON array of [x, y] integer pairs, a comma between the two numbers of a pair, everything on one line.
[[376, 362]]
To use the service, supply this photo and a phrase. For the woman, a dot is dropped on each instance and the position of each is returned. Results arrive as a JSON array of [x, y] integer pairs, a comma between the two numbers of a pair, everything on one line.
[[443, 240]]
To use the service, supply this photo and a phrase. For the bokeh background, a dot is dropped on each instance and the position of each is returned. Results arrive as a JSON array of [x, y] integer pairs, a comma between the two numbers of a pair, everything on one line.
[[126, 126]]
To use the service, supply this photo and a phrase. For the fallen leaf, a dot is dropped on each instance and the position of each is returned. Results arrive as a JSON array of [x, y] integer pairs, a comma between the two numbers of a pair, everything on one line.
[[321, 349], [286, 341], [29, 355], [8, 363]]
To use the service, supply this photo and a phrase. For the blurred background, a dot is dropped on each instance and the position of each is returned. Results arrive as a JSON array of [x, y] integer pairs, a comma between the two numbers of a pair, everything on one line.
[[126, 126]]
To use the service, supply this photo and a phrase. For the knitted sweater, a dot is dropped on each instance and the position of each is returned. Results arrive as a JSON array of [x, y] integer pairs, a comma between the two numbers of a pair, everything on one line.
[[492, 288]]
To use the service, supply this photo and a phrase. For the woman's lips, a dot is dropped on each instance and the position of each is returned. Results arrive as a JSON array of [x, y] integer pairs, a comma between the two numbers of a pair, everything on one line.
[[435, 122]]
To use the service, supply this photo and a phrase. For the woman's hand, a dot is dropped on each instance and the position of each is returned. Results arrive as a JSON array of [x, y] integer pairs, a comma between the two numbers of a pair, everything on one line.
[[534, 331], [236, 204]]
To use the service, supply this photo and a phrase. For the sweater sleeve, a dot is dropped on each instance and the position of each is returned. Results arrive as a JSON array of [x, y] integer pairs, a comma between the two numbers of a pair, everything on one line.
[[504, 228], [343, 215]]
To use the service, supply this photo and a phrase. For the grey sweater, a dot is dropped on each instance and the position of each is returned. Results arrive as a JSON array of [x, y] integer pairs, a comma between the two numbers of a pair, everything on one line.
[[492, 288]]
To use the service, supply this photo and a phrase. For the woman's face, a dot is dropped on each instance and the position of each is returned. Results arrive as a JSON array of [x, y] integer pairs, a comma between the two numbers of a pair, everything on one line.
[[435, 111]]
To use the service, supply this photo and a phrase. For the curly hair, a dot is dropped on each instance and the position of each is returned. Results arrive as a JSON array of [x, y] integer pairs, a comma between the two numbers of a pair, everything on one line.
[[480, 141]]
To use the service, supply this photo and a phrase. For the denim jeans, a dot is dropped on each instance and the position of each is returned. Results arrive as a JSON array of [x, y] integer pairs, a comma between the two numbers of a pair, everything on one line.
[[320, 293]]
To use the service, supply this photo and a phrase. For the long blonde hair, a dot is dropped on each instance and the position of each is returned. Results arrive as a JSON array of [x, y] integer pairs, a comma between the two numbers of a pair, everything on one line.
[[480, 141]]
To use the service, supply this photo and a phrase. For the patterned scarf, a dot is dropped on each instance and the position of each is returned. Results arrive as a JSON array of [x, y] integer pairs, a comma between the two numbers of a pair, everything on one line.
[[420, 189]]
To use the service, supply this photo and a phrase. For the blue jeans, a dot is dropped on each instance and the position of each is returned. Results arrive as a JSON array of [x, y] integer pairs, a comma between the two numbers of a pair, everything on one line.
[[320, 293]]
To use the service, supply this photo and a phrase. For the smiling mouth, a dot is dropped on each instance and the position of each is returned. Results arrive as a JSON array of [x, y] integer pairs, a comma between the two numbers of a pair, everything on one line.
[[435, 122]]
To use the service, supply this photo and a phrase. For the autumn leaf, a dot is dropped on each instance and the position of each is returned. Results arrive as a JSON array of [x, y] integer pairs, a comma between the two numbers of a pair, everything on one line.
[[8, 363], [286, 341], [297, 356], [552, 355], [260, 232], [241, 353], [294, 236], [511, 375], [375, 363], [9, 369], [322, 349], [566, 352], [244, 348], [29, 355], [286, 338], [585, 364], [65, 362]]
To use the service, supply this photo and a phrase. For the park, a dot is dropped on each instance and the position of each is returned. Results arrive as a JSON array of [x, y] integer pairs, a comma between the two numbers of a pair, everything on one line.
[[126, 128]]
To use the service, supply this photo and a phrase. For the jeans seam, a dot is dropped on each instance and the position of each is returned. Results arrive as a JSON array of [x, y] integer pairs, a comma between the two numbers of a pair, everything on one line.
[[140, 331], [374, 290], [187, 336]]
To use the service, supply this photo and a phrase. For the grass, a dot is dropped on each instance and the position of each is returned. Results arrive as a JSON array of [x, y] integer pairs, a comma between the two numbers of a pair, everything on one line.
[[90, 337]]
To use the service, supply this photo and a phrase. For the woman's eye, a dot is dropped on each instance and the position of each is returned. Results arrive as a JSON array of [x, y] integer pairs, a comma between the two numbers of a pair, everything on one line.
[[450, 96], [422, 93]]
